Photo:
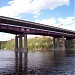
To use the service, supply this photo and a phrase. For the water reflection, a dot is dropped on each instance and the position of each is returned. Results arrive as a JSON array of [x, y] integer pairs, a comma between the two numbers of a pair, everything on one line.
[[58, 55], [57, 62], [21, 63]]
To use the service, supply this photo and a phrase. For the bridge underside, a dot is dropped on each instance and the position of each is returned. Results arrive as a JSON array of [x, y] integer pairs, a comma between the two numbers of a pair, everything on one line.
[[22, 30]]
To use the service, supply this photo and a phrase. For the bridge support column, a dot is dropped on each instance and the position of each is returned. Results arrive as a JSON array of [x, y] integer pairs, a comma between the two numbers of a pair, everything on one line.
[[74, 43], [70, 43], [25, 50], [53, 43], [63, 43], [58, 43], [21, 51], [16, 42], [16, 48], [25, 43], [20, 42]]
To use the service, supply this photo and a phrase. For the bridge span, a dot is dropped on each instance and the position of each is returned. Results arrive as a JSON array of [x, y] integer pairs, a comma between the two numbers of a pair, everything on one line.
[[21, 28], [17, 26]]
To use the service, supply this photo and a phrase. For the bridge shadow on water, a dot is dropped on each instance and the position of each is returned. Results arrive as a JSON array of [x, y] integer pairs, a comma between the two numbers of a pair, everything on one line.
[[58, 62]]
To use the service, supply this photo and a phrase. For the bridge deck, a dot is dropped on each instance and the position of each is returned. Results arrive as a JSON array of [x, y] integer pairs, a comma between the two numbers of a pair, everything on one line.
[[32, 25]]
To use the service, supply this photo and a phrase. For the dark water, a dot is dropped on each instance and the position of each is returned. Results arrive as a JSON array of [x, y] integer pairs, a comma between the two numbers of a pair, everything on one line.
[[38, 63]]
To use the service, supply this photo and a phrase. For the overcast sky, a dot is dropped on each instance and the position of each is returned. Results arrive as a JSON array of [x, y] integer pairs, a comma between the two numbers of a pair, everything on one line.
[[50, 12]]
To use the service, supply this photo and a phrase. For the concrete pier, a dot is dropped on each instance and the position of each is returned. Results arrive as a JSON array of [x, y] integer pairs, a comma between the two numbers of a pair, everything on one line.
[[56, 43], [20, 50], [70, 43], [25, 43], [63, 43], [20, 42], [16, 42], [53, 43], [16, 48], [59, 43]]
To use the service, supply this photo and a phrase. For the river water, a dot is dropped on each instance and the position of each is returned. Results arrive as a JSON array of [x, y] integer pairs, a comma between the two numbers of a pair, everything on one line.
[[39, 63]]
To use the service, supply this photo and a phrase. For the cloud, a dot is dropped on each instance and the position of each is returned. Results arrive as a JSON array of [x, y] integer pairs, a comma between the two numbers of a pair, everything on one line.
[[17, 7], [68, 22], [50, 21], [6, 36]]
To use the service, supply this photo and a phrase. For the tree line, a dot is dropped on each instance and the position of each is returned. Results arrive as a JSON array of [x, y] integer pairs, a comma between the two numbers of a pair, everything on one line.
[[37, 43]]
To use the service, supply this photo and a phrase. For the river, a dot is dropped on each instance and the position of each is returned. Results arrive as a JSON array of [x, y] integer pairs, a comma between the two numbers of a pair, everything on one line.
[[39, 63]]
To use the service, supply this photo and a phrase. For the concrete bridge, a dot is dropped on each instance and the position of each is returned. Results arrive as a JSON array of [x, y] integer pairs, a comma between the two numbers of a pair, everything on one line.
[[21, 28]]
